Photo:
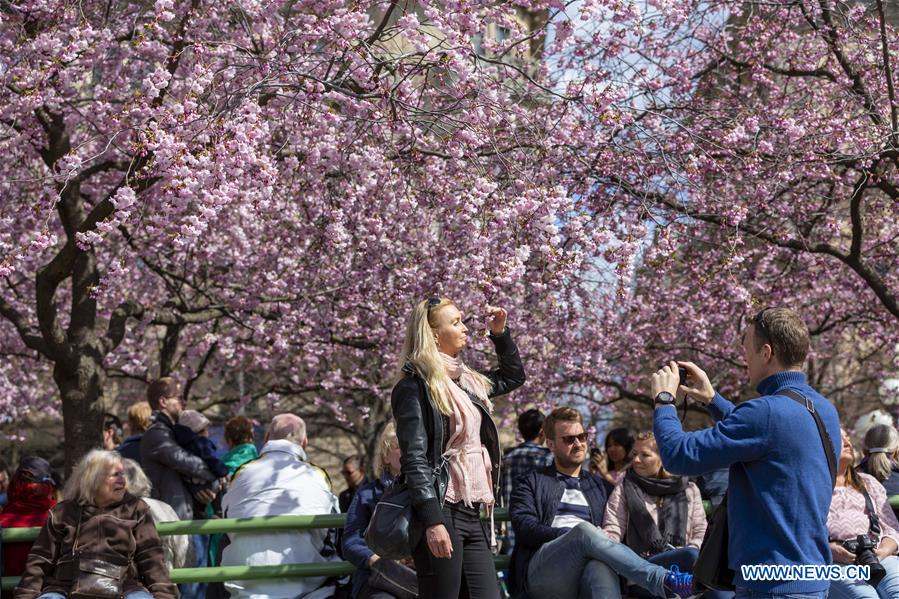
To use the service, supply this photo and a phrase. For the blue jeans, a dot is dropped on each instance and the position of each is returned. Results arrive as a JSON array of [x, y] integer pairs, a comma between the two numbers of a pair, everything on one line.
[[888, 587], [134, 595], [197, 590], [584, 564], [744, 593]]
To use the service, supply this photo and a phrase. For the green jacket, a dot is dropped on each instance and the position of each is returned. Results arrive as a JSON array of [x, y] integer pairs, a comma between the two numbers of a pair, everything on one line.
[[239, 456]]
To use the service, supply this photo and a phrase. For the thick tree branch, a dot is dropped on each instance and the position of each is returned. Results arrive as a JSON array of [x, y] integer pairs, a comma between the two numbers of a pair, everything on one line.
[[356, 342], [25, 330], [115, 332], [858, 85], [869, 275], [855, 217]]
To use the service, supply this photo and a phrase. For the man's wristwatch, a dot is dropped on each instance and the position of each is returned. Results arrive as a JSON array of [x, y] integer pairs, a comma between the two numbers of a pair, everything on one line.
[[664, 399]]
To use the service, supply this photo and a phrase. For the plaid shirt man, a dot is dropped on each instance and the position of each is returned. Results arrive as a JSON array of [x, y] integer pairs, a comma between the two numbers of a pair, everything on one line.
[[517, 463]]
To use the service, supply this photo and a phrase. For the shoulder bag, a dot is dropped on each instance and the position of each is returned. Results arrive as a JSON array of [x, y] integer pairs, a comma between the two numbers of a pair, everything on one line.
[[95, 578]]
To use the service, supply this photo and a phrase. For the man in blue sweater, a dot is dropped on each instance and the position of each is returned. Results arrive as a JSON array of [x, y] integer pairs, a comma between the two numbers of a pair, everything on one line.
[[780, 484]]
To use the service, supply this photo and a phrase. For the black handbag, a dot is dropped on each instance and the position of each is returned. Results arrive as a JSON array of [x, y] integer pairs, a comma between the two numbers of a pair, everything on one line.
[[711, 571], [98, 579], [392, 532], [394, 578]]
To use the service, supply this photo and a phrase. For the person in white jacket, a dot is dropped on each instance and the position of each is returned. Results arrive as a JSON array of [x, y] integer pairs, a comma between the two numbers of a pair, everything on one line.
[[279, 482]]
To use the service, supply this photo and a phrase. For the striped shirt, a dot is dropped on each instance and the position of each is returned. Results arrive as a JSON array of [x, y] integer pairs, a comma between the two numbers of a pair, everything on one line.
[[573, 507]]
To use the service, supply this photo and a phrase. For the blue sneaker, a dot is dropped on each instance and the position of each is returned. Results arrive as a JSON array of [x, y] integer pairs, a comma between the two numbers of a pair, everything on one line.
[[679, 583]]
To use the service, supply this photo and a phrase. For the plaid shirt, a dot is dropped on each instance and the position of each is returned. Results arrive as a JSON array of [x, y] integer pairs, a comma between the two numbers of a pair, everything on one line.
[[520, 462]]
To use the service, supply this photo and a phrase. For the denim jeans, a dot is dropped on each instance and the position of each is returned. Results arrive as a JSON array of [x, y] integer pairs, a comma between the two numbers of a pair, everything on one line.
[[683, 558], [134, 595], [197, 590], [744, 593], [888, 587], [584, 564]]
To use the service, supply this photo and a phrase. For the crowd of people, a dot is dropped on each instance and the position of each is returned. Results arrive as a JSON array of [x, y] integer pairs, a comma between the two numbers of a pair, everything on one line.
[[624, 520]]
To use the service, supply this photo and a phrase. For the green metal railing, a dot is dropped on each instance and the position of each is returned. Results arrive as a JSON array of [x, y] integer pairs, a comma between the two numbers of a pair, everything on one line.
[[241, 525], [258, 524]]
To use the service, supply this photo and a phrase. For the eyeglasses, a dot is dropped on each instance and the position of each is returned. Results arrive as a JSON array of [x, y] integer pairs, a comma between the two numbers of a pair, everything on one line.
[[570, 439], [433, 302]]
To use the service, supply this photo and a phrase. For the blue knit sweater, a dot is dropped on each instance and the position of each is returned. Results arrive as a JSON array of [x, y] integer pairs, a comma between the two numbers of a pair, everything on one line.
[[779, 484]]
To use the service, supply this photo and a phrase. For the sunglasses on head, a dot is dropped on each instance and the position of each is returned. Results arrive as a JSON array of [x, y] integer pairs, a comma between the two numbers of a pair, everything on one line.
[[570, 439], [432, 302], [761, 324]]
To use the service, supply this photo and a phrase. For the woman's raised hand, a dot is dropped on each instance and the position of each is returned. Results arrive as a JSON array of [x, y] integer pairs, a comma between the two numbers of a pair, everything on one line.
[[496, 319]]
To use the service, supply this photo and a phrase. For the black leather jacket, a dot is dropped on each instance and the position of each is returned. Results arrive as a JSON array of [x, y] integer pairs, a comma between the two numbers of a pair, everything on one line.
[[422, 431]]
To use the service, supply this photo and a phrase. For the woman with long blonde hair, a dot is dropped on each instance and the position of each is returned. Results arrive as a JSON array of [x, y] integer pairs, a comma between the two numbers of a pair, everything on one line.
[[450, 445]]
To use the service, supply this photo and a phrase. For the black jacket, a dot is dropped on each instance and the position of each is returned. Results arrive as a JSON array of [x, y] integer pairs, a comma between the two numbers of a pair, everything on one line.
[[532, 508], [422, 431]]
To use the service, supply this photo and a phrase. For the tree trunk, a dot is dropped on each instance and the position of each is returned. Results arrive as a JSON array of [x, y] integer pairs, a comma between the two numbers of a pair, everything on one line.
[[81, 391]]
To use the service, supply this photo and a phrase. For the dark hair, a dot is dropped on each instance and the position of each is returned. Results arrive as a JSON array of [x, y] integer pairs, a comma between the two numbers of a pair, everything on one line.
[[111, 422], [164, 387], [622, 437], [564, 414], [530, 423], [785, 332], [239, 430], [355, 460]]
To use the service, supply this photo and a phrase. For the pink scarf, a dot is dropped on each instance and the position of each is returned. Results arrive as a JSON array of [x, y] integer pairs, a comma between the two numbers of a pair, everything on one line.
[[470, 468], [456, 370]]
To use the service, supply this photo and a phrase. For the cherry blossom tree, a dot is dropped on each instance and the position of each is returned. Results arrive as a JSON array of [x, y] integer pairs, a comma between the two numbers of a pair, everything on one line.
[[765, 163], [265, 189]]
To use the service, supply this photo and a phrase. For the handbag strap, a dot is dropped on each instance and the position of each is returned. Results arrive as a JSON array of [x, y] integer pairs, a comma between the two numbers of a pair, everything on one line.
[[822, 432], [77, 530]]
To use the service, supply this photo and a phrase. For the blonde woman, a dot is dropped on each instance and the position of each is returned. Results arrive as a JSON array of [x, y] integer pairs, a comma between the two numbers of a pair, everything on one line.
[[375, 577], [658, 515], [97, 520], [881, 459], [450, 446]]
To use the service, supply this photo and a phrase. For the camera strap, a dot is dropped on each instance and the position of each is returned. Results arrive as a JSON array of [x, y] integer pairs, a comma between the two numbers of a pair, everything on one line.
[[873, 518], [825, 438]]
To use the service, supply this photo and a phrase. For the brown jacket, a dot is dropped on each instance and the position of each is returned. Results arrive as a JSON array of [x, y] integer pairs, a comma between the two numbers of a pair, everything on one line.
[[122, 533]]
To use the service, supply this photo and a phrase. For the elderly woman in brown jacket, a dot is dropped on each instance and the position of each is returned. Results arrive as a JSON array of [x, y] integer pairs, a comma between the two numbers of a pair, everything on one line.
[[99, 542]]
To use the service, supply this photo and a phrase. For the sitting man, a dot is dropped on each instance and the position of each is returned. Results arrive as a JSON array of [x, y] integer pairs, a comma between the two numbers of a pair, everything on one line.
[[279, 482], [560, 551]]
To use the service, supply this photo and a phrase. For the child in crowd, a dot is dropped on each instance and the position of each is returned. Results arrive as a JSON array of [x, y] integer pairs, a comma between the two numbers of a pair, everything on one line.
[[192, 434]]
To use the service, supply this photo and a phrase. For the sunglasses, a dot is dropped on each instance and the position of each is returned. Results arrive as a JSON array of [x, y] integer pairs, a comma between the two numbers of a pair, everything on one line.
[[570, 439], [761, 324]]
